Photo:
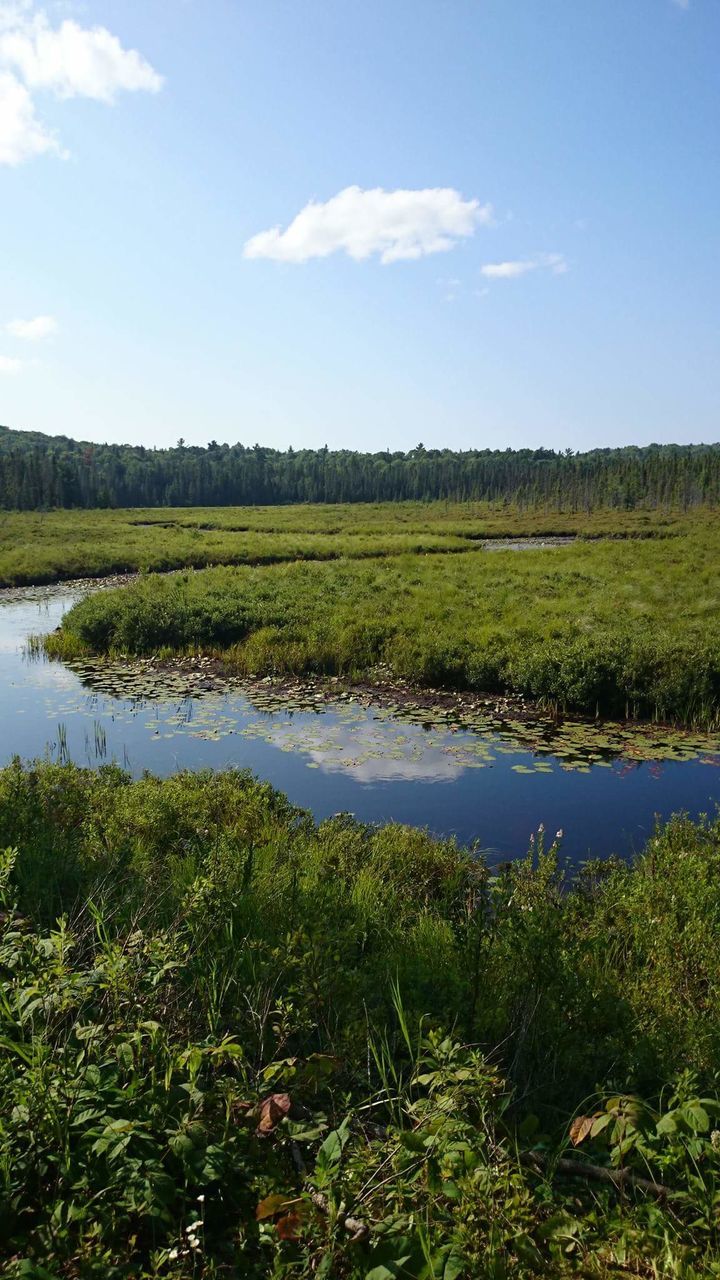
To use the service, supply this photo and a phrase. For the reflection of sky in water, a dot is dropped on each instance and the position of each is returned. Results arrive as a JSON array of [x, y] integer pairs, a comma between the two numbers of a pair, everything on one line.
[[382, 751], [342, 758], [433, 767]]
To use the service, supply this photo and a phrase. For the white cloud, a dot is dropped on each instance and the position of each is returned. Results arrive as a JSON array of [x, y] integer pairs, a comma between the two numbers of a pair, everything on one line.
[[22, 135], [8, 364], [394, 224], [506, 270], [73, 61], [13, 13], [33, 330], [69, 61], [554, 262]]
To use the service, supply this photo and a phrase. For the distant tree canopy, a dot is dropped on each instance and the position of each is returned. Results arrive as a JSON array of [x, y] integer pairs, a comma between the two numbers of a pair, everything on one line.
[[39, 472]]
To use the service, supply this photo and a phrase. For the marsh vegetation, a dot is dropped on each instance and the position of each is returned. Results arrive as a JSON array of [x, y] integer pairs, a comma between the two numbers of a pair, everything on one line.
[[236, 1042], [51, 546], [610, 627]]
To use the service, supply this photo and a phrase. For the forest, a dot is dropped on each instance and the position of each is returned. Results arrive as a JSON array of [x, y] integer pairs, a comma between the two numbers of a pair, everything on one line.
[[39, 472]]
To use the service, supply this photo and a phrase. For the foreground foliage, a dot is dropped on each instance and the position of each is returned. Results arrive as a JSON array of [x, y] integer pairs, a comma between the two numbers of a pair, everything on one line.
[[617, 627], [233, 1042]]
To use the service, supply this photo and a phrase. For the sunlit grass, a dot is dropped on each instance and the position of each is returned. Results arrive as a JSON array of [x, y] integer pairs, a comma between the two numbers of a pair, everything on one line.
[[38, 547], [609, 626]]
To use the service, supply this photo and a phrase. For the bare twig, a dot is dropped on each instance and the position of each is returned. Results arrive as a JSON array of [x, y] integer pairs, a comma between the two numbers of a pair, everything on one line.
[[598, 1173]]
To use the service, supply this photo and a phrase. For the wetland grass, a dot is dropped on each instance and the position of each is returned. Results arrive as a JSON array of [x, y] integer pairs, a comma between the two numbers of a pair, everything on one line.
[[618, 628], [227, 1033], [43, 547], [234, 1041]]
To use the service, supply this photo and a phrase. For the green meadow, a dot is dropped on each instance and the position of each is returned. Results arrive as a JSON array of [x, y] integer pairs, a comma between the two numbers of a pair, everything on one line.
[[621, 626], [49, 546]]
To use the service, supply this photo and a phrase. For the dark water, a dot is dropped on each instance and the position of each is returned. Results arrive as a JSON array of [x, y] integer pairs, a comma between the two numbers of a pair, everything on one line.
[[479, 787]]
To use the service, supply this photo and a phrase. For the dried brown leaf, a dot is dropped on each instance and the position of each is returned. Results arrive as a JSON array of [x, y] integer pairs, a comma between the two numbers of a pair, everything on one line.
[[580, 1128], [289, 1227], [271, 1111], [271, 1205]]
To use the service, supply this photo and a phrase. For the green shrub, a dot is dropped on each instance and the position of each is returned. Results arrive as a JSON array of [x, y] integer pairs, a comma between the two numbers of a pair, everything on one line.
[[228, 1050]]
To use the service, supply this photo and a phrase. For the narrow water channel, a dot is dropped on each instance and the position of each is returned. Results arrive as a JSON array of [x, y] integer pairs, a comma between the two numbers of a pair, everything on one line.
[[486, 787]]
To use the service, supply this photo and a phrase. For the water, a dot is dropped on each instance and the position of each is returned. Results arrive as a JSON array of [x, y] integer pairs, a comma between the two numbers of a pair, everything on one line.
[[343, 757]]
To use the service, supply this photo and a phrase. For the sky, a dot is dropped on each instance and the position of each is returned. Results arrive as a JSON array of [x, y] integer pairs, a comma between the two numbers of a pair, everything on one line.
[[471, 223]]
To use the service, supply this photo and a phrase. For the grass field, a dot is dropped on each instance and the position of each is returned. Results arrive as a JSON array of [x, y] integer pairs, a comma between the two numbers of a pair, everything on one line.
[[233, 1042], [622, 627], [40, 547]]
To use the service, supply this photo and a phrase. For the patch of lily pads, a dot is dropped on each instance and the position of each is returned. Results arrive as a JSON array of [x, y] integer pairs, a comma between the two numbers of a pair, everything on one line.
[[385, 722]]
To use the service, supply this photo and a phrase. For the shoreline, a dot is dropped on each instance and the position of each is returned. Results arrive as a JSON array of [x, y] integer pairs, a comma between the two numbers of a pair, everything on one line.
[[456, 710], [103, 582]]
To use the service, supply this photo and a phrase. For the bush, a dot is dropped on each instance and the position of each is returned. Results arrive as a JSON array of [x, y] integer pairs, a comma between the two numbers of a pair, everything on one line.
[[227, 1055]]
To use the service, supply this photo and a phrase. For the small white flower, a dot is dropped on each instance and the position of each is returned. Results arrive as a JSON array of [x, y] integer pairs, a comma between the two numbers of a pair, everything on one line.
[[201, 1199], [559, 834]]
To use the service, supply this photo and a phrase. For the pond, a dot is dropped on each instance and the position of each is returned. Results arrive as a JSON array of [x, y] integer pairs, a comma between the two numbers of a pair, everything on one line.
[[493, 785]]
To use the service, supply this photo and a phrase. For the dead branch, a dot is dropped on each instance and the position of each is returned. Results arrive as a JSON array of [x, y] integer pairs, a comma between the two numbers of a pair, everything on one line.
[[618, 1178]]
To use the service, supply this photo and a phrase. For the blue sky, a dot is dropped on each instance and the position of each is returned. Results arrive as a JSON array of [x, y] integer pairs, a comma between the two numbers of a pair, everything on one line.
[[528, 253]]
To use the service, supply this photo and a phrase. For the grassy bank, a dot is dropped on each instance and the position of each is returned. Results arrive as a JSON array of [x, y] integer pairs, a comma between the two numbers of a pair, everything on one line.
[[233, 1042], [621, 628], [42, 547]]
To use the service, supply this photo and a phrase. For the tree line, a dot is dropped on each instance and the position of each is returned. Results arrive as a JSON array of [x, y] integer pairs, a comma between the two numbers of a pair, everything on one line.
[[39, 472]]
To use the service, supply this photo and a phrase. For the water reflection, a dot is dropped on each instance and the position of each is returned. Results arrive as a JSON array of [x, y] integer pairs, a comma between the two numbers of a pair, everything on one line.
[[431, 768], [492, 786]]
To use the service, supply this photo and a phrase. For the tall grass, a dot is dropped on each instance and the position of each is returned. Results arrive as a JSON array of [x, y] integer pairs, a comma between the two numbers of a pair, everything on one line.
[[235, 1042], [43, 547], [620, 628]]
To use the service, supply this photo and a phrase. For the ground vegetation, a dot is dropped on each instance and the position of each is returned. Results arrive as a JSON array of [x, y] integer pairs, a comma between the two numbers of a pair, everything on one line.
[[235, 1042]]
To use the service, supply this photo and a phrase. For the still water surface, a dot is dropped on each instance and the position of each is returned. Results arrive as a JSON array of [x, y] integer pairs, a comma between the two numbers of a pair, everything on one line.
[[343, 757]]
